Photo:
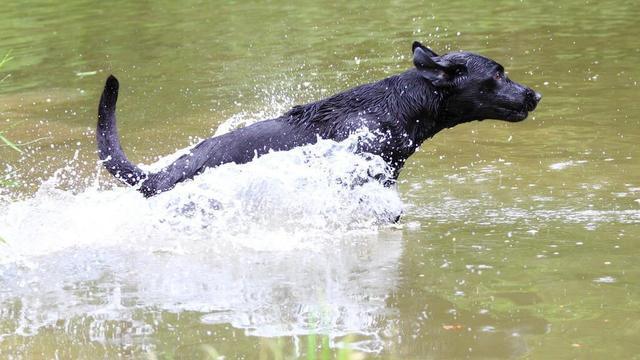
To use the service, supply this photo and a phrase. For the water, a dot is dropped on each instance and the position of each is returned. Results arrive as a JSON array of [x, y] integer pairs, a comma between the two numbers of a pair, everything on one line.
[[517, 240]]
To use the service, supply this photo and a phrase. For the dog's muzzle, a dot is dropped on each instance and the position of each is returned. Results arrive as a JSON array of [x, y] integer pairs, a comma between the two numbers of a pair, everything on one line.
[[532, 98]]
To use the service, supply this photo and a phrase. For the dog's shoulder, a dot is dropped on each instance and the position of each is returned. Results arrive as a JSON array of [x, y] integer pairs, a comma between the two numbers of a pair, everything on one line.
[[354, 107]]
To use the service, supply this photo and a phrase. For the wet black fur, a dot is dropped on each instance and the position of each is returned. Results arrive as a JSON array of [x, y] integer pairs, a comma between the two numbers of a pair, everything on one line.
[[402, 111]]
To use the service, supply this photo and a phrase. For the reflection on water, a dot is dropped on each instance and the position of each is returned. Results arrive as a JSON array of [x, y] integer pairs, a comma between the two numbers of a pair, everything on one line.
[[337, 289], [516, 239]]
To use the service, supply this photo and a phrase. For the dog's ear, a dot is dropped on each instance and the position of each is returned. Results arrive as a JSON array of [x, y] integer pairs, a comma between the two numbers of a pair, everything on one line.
[[439, 72], [417, 44], [432, 69]]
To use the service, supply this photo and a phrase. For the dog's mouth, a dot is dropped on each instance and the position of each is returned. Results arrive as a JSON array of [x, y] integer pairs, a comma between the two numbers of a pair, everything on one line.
[[512, 114], [521, 111], [516, 115]]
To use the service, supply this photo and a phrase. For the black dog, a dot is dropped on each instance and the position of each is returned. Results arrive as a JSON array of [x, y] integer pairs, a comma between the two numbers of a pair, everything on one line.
[[402, 111]]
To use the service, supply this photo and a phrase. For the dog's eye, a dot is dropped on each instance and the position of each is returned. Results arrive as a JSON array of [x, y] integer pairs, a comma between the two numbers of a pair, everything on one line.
[[497, 76]]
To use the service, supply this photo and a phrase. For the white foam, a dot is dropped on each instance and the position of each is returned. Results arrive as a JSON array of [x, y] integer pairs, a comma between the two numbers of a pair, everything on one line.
[[566, 164], [605, 280], [323, 190], [233, 243]]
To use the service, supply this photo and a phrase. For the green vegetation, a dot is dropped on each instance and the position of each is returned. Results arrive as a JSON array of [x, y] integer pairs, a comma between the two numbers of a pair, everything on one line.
[[7, 57], [276, 350], [4, 141], [9, 143], [344, 353]]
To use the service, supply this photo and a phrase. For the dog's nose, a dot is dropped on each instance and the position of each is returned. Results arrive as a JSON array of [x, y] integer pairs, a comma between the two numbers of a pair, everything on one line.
[[531, 99], [538, 96]]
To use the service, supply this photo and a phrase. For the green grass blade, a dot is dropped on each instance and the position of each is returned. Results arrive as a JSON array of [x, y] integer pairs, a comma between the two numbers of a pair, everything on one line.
[[311, 347], [9, 143], [325, 353], [7, 57]]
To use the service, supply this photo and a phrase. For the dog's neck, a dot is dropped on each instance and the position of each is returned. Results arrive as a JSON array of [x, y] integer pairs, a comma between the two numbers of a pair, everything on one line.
[[412, 101], [418, 102]]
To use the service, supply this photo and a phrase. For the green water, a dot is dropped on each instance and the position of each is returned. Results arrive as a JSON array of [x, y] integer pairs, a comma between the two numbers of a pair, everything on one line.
[[518, 240]]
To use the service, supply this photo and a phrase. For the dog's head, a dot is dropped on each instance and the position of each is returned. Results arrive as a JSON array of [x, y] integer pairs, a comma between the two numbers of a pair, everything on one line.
[[476, 87]]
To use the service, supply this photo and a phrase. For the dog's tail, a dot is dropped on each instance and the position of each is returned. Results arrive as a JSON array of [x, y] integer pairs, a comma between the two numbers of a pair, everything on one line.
[[109, 149]]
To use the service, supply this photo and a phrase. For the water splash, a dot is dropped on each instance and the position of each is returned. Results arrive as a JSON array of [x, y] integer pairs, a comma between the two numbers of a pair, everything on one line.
[[284, 245], [322, 190]]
